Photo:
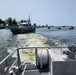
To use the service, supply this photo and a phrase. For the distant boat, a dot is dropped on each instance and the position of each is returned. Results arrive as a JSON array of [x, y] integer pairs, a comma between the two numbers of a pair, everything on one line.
[[71, 27], [58, 27], [24, 27], [48, 27]]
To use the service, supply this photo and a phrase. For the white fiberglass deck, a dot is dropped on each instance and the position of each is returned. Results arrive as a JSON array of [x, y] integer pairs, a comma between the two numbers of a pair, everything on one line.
[[60, 64], [57, 55]]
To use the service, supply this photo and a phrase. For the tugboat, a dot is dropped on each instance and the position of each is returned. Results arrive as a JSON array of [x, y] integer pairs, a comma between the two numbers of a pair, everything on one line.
[[22, 28], [51, 60]]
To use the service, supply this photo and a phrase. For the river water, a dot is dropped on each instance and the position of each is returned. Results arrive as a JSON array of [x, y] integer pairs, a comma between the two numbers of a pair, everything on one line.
[[42, 37], [59, 37]]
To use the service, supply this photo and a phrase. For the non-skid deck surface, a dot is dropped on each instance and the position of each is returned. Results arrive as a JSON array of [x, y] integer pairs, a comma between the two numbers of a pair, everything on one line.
[[31, 69]]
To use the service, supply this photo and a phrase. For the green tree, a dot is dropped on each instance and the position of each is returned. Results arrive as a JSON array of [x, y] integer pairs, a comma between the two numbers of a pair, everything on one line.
[[34, 24], [14, 22], [0, 21], [42, 25], [4, 23], [9, 21], [46, 25]]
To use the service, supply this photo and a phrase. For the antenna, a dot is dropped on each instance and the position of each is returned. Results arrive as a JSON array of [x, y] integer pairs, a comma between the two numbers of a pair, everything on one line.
[[29, 19]]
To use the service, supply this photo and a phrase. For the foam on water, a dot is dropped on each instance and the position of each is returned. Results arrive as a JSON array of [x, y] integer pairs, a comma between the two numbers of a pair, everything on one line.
[[30, 40], [8, 42]]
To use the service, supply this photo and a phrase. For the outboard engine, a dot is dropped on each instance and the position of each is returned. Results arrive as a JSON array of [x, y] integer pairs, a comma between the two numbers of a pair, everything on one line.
[[42, 58]]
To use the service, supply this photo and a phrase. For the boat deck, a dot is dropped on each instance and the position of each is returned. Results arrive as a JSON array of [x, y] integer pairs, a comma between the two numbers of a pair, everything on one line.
[[31, 69]]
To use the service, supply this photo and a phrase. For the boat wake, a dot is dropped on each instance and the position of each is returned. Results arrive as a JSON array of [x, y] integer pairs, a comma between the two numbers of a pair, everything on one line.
[[28, 40]]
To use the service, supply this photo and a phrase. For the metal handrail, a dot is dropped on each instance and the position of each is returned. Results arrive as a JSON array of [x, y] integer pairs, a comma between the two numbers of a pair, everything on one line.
[[7, 57], [44, 47], [28, 48], [13, 64], [6, 71]]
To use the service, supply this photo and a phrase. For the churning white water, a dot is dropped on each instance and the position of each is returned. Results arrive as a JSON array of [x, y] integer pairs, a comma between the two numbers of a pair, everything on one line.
[[30, 40], [9, 42]]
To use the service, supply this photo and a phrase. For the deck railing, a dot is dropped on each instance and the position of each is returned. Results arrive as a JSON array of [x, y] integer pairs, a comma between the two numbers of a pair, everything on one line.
[[18, 59]]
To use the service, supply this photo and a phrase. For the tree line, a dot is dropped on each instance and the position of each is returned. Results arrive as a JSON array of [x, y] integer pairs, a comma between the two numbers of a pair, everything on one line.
[[12, 22], [8, 22]]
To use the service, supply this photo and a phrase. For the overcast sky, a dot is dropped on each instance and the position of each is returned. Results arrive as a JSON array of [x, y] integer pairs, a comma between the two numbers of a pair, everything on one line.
[[42, 12]]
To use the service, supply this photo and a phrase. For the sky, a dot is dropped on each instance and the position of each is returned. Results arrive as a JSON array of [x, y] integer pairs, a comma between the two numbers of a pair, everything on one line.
[[42, 12]]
